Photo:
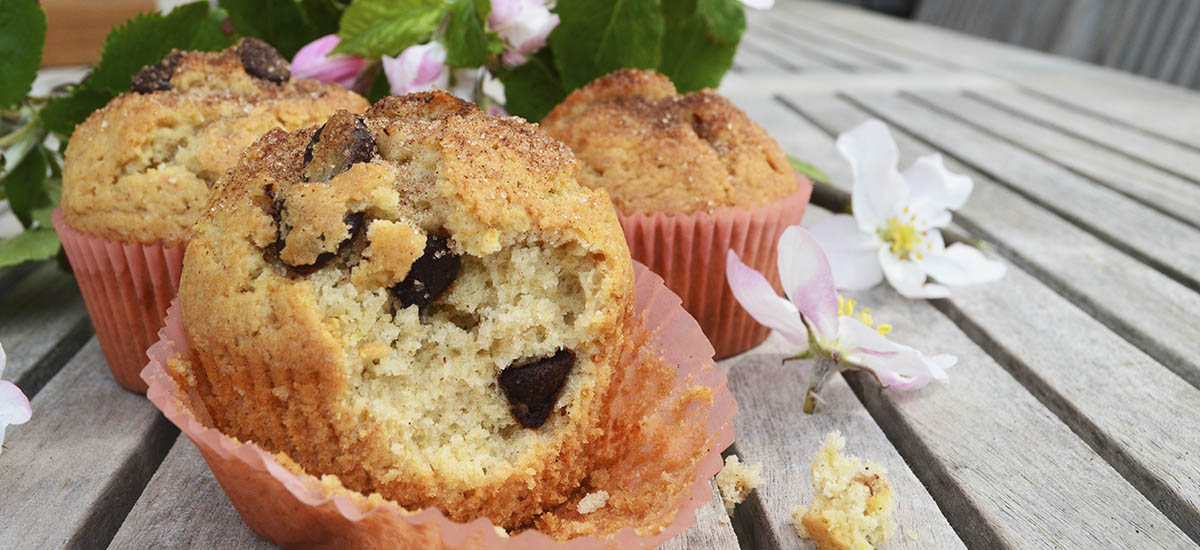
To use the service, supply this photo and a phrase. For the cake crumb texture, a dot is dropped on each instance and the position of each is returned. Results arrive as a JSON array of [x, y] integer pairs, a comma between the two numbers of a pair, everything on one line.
[[420, 301], [141, 168], [658, 151], [592, 502], [736, 480], [852, 502]]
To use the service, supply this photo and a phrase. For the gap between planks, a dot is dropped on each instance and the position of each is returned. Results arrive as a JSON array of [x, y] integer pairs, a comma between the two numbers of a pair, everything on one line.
[[75, 469]]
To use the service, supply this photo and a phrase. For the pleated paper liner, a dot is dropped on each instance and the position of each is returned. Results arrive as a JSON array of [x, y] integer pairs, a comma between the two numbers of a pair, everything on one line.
[[688, 251], [657, 475], [127, 288]]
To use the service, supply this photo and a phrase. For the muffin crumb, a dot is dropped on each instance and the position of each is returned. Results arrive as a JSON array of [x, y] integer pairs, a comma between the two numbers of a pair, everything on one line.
[[592, 502], [852, 502], [798, 520], [736, 480]]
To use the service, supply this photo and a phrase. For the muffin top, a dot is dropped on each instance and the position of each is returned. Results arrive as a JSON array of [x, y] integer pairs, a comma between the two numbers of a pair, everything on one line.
[[140, 169], [420, 300], [657, 151]]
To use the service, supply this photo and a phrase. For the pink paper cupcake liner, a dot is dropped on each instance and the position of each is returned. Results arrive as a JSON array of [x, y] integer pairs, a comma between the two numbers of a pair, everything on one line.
[[688, 251], [127, 288], [296, 511]]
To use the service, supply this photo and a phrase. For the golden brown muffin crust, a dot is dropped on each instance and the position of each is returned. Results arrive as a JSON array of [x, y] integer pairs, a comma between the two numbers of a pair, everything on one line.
[[657, 151], [322, 328], [140, 169]]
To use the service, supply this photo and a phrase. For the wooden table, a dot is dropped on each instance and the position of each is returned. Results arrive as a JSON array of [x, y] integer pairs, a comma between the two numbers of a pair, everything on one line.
[[1069, 422]]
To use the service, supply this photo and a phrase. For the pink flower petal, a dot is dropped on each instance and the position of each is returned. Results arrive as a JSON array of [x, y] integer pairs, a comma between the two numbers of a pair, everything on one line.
[[14, 406], [755, 294], [808, 280], [852, 254], [418, 68], [314, 62], [523, 24], [896, 365]]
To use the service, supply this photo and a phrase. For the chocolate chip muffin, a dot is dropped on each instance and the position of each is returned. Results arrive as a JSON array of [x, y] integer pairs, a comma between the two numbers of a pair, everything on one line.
[[421, 301], [140, 169], [657, 151]]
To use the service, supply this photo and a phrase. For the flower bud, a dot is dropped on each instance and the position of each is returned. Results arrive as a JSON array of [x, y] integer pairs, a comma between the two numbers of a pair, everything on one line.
[[418, 68], [524, 26], [313, 61]]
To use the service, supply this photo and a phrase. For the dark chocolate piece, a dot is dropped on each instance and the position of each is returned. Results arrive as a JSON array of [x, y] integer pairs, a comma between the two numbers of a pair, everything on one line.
[[262, 61], [430, 275], [532, 386], [337, 145], [156, 77]]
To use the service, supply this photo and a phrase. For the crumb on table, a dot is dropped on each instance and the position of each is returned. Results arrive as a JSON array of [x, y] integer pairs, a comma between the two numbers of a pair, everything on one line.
[[736, 480], [852, 502]]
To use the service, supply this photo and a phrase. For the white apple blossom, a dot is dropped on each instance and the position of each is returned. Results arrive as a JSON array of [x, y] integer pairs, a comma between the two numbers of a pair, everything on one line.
[[894, 230], [418, 68], [825, 324], [14, 406]]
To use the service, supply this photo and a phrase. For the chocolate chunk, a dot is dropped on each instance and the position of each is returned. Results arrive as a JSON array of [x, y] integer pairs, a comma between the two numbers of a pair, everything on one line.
[[357, 229], [430, 275], [532, 386], [262, 61], [337, 145], [156, 77]]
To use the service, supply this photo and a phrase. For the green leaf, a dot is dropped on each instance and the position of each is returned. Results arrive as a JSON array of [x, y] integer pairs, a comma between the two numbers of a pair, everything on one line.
[[468, 42], [22, 35], [597, 37], [698, 49], [811, 172], [323, 14], [374, 28], [62, 114], [146, 38], [532, 89], [23, 185], [281, 23], [39, 244]]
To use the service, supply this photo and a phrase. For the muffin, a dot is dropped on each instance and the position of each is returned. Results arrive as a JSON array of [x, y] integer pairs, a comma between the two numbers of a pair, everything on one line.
[[420, 301], [852, 502], [691, 176], [138, 173]]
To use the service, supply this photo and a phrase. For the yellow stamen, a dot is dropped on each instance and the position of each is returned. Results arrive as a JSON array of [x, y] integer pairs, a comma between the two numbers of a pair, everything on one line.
[[846, 309], [903, 237]]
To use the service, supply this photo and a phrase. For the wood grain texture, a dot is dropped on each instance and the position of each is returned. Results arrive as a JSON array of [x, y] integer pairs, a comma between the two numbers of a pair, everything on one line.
[[1116, 138], [773, 430], [183, 506], [1130, 176], [75, 469], [1126, 405], [1138, 229], [42, 324], [1150, 310]]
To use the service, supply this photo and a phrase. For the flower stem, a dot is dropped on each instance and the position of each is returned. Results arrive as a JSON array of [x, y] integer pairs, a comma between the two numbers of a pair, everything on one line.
[[822, 370]]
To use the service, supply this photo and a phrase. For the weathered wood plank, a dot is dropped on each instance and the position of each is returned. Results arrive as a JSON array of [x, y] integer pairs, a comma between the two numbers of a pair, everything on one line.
[[773, 430], [788, 45], [1003, 467], [796, 26], [184, 507], [1126, 405], [1150, 310], [1142, 104], [1157, 189], [1166, 155], [1137, 229], [42, 324], [71, 473]]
